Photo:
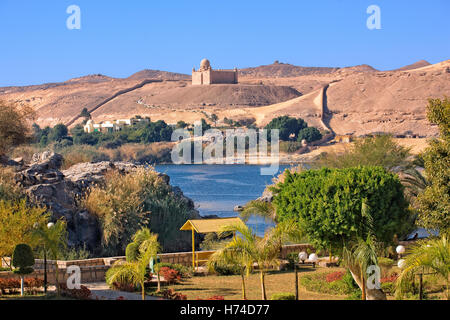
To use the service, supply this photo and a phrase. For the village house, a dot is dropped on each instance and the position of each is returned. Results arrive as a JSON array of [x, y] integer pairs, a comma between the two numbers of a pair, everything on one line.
[[111, 126]]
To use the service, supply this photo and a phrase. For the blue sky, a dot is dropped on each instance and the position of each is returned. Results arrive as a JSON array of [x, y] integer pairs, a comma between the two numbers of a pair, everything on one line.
[[119, 38]]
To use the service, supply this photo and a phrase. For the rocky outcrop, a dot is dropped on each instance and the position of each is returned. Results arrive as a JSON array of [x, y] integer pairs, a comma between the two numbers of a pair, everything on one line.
[[47, 185]]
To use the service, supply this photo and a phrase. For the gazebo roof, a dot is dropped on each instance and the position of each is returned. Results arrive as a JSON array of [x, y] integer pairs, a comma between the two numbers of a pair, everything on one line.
[[209, 225]]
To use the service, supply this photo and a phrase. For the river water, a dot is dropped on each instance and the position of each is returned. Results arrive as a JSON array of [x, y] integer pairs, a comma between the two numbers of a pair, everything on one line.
[[217, 189]]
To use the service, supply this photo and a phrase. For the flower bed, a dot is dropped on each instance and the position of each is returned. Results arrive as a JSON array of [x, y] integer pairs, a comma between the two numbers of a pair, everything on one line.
[[12, 285]]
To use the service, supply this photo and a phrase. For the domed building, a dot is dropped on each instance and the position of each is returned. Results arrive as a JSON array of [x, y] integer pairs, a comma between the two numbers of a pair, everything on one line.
[[206, 75]]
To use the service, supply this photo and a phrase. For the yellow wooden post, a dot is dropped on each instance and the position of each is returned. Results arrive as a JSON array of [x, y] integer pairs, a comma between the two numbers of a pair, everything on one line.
[[193, 248]]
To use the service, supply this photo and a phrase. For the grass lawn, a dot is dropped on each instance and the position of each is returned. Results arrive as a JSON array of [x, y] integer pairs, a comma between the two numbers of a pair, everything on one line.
[[229, 287]]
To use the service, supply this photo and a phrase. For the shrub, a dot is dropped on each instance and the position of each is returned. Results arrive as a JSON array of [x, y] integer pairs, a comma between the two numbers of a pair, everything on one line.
[[292, 258], [170, 275], [12, 284], [334, 276], [226, 270], [141, 199], [388, 287], [290, 146], [80, 294], [318, 283], [170, 294], [283, 296], [184, 272], [391, 278]]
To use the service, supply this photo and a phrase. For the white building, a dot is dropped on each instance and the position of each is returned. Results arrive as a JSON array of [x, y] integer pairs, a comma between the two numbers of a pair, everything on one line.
[[111, 126]]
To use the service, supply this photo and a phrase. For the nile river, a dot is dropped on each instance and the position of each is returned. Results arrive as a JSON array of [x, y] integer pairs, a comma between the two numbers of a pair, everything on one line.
[[217, 189]]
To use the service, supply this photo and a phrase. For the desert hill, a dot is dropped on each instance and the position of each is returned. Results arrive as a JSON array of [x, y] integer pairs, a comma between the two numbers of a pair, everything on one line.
[[358, 99], [281, 70], [416, 65], [157, 74]]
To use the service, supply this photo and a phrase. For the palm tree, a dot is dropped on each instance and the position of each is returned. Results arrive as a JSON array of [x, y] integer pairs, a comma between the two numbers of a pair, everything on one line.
[[135, 272], [149, 242], [260, 208], [53, 238], [357, 258], [262, 251], [413, 181], [236, 257], [426, 256], [361, 253]]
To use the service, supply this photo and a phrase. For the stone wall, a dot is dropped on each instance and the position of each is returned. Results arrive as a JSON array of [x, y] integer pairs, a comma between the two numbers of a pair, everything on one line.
[[93, 270], [214, 76], [224, 76]]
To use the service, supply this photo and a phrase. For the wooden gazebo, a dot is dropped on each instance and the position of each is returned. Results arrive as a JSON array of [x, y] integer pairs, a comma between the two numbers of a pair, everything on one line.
[[206, 226]]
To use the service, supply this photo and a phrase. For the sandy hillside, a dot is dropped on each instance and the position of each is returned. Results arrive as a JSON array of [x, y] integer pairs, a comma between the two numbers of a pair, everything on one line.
[[357, 99]]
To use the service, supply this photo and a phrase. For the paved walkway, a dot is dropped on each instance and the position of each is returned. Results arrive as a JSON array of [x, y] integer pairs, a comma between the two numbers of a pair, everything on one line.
[[101, 291]]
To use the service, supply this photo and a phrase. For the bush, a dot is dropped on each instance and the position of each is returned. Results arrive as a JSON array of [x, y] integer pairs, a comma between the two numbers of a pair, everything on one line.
[[283, 296], [226, 270], [12, 284], [80, 294], [184, 272], [141, 199], [290, 146], [319, 283], [334, 276], [170, 275], [292, 258], [170, 294]]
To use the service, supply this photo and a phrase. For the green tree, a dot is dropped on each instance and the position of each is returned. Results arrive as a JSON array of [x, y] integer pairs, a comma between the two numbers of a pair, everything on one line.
[[17, 220], [426, 256], [135, 272], [181, 125], [380, 150], [58, 132], [14, 127], [434, 202], [288, 126], [23, 261], [85, 113], [328, 206], [214, 118], [309, 134]]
